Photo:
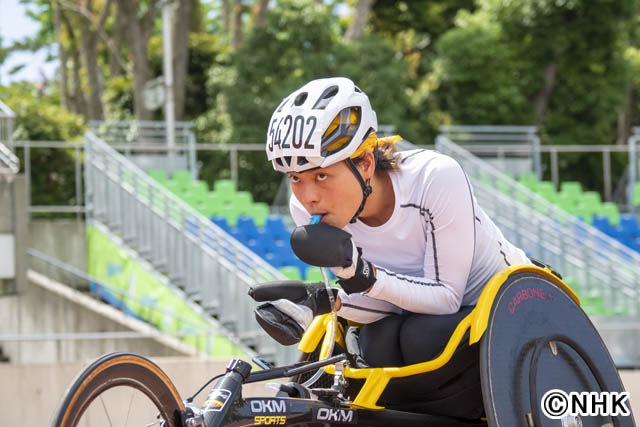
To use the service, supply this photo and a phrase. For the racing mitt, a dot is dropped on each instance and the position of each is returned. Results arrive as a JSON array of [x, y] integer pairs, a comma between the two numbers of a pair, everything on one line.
[[289, 307]]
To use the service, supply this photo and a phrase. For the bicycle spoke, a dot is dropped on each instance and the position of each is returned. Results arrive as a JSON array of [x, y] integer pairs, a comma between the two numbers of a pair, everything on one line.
[[133, 393], [105, 411]]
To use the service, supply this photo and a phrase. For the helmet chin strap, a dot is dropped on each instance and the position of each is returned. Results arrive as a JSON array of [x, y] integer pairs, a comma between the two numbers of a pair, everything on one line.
[[366, 188]]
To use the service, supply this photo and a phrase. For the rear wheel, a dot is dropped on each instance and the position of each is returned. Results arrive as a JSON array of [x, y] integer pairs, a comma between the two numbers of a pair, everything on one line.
[[538, 339], [120, 389]]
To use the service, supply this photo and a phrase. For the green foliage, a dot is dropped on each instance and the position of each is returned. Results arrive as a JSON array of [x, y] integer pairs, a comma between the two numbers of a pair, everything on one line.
[[480, 76], [118, 96], [38, 118]]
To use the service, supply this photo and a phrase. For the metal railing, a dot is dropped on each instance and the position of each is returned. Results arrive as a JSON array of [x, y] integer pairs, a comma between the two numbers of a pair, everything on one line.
[[7, 122], [153, 134], [196, 255], [600, 265], [9, 162], [634, 139], [232, 151], [79, 280], [524, 138]]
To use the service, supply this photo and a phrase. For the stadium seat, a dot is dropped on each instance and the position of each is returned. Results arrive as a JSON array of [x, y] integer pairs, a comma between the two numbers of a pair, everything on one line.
[[291, 273], [221, 222], [158, 175], [182, 177], [224, 186]]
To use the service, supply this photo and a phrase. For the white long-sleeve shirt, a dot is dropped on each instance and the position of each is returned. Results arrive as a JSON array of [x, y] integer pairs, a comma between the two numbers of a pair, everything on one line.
[[437, 250]]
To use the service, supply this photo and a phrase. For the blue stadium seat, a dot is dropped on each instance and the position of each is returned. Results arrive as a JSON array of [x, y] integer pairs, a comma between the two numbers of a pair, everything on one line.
[[629, 225], [247, 228], [602, 223], [221, 222]]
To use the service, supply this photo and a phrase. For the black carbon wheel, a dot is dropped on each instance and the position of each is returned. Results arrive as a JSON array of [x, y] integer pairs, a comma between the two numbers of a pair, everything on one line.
[[120, 389], [539, 339]]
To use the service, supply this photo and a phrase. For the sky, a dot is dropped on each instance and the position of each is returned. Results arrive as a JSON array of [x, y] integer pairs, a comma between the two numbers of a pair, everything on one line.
[[16, 25]]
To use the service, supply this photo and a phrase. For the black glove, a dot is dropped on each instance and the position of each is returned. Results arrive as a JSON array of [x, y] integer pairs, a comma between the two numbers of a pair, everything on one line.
[[291, 308], [356, 278]]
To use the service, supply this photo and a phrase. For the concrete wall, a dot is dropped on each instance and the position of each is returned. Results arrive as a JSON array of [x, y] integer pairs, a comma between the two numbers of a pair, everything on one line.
[[25, 387], [48, 307], [64, 240]]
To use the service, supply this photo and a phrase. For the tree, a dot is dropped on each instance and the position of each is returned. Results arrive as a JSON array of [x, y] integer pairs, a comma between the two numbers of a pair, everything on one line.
[[137, 21], [359, 20]]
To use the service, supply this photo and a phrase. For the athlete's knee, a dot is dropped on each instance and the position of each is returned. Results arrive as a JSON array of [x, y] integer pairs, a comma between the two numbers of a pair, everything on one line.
[[379, 342]]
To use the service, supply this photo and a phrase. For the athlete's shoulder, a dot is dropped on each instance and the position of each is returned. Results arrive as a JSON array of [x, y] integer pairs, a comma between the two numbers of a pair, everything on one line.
[[424, 163]]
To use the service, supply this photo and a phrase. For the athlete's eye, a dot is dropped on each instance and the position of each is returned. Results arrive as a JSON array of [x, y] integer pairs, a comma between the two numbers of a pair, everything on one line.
[[321, 177], [294, 178]]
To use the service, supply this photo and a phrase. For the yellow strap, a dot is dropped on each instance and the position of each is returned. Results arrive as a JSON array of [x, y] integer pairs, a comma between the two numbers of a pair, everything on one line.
[[372, 141]]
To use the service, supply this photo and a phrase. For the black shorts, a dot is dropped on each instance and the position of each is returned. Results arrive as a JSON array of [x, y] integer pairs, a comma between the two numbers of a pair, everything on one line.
[[410, 338]]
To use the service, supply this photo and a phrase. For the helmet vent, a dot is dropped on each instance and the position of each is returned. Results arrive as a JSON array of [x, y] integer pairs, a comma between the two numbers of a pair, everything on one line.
[[282, 104], [300, 99], [302, 161], [326, 97], [357, 89]]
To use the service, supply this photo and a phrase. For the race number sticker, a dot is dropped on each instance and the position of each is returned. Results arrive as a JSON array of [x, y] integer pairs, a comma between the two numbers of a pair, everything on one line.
[[216, 400], [292, 133]]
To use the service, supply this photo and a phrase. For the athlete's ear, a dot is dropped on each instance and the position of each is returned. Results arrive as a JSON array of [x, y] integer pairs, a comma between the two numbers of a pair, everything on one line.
[[368, 164]]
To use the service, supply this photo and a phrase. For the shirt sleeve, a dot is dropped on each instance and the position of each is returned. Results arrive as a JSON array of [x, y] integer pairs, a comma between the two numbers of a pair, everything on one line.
[[363, 309], [447, 208]]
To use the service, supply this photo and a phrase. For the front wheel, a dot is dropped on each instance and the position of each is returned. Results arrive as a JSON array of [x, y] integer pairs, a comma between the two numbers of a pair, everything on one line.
[[120, 389]]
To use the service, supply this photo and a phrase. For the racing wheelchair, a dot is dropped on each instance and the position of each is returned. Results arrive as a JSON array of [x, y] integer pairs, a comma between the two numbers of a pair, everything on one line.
[[532, 337]]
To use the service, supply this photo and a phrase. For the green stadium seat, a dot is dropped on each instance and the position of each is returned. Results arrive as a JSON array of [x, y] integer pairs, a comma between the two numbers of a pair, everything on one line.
[[231, 213], [291, 273], [572, 189], [259, 212], [636, 194], [182, 177], [175, 187], [224, 186], [213, 204], [529, 180], [198, 187], [611, 211], [243, 201], [158, 175], [314, 275], [503, 184]]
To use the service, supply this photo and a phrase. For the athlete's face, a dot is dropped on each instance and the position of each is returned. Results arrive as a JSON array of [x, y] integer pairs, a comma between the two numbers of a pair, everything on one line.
[[333, 191]]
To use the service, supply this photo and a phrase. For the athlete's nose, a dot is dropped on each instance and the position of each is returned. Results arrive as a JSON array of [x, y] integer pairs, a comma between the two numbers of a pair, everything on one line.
[[309, 195]]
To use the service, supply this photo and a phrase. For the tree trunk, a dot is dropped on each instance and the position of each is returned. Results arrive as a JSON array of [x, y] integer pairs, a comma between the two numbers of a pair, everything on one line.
[[543, 97], [260, 12], [226, 17], [237, 25], [62, 55], [182, 21], [77, 102], [359, 20], [137, 33], [114, 67], [89, 48], [624, 117]]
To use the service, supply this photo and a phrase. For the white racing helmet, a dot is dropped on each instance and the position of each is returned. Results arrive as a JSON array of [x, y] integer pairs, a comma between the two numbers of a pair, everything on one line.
[[300, 135]]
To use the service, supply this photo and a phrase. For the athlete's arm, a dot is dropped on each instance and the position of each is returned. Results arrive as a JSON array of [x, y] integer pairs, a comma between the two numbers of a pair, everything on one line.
[[447, 208]]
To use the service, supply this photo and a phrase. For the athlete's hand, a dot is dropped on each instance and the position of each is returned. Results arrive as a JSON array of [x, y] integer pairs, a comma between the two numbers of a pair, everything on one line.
[[290, 308], [358, 276]]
